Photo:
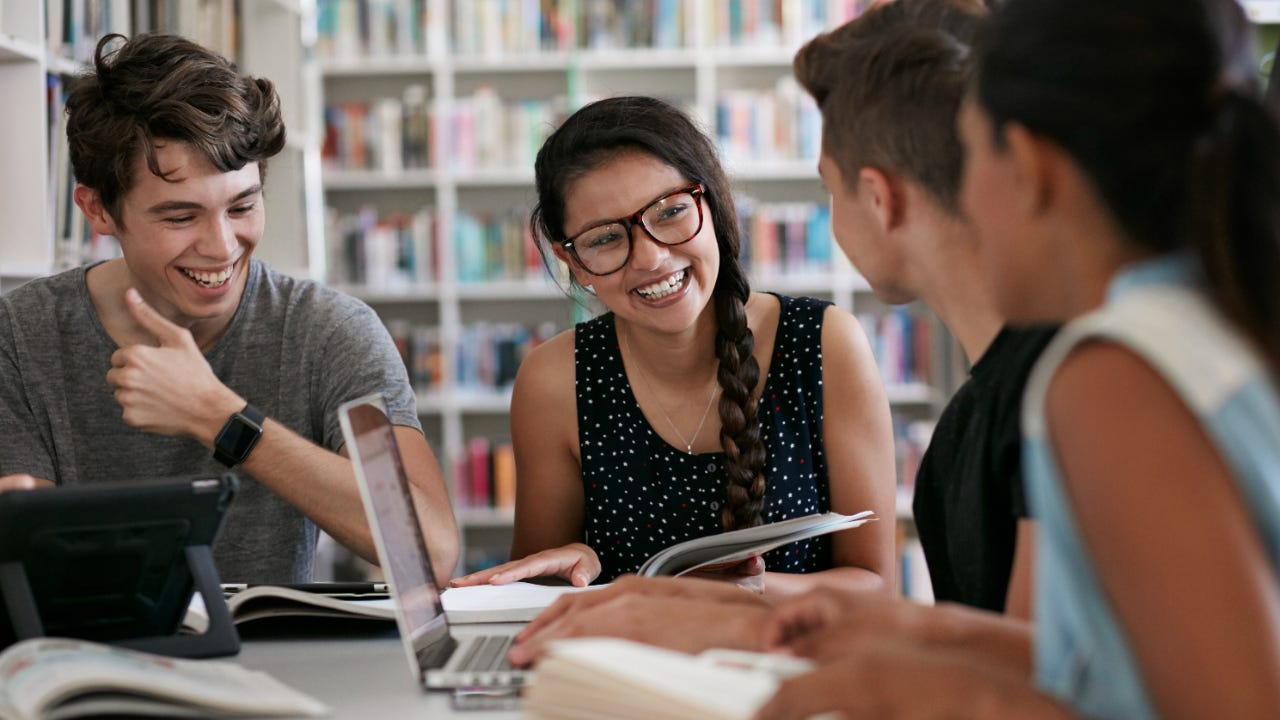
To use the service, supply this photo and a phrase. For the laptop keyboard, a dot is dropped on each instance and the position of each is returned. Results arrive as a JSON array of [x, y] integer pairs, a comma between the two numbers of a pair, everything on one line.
[[487, 653]]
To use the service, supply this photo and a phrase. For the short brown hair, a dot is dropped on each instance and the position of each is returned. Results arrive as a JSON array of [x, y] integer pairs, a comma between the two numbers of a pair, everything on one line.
[[164, 87], [889, 84]]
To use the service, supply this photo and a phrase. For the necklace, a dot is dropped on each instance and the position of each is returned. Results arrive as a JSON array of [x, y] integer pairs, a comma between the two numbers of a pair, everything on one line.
[[688, 442]]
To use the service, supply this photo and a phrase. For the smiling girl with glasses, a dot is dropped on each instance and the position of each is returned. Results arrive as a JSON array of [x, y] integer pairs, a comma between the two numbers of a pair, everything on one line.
[[693, 405]]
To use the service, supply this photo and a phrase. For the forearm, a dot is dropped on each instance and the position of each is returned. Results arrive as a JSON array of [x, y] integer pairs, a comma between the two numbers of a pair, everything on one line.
[[1002, 694], [1000, 640], [435, 513], [778, 585], [319, 483]]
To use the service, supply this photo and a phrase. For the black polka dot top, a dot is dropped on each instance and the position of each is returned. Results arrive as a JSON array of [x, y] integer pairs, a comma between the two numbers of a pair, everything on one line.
[[642, 494]]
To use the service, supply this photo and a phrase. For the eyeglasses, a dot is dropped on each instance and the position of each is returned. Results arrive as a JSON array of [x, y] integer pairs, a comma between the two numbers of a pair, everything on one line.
[[672, 219]]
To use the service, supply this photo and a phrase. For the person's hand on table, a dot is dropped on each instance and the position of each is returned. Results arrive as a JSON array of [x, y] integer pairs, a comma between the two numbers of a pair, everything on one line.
[[824, 623], [882, 677], [575, 562], [23, 481], [686, 624], [671, 587]]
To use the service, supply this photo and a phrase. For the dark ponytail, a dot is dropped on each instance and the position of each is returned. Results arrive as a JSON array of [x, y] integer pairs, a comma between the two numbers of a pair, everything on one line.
[[1156, 100], [599, 132], [1234, 216]]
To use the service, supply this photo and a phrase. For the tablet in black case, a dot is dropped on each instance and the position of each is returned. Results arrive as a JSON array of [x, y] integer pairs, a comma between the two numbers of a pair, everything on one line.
[[115, 563]]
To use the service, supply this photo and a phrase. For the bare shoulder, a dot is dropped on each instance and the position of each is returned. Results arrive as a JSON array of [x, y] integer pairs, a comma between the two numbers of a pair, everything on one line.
[[1111, 415], [763, 311], [845, 348], [546, 374], [1100, 378]]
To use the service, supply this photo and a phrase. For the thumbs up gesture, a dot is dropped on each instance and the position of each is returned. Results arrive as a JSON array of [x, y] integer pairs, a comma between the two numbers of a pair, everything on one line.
[[168, 388]]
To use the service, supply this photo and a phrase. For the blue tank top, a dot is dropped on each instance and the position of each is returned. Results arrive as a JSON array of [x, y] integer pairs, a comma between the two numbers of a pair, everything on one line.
[[1156, 310], [643, 495]]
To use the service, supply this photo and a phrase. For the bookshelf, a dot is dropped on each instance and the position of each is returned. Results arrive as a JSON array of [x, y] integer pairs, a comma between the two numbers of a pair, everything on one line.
[[493, 78]]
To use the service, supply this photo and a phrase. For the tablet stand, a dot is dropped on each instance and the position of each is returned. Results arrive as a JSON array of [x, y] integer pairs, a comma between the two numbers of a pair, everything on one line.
[[220, 638]]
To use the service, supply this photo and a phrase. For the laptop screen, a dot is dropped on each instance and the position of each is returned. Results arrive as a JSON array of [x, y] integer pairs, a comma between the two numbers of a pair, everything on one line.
[[402, 552]]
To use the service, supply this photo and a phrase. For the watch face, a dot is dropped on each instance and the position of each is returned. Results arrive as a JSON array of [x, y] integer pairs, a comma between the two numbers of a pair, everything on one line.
[[237, 438]]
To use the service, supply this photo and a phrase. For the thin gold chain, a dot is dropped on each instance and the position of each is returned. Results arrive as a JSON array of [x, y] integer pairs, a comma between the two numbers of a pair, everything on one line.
[[688, 443]]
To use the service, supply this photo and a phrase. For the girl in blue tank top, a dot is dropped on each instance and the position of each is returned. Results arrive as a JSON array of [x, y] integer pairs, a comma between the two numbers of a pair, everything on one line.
[[1125, 177]]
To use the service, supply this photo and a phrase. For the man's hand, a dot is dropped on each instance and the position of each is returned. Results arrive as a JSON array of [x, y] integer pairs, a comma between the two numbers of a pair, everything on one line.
[[168, 389], [679, 623], [681, 587], [884, 677], [22, 481], [823, 624]]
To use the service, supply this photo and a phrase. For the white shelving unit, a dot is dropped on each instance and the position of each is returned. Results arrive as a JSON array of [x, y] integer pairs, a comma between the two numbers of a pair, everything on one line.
[[275, 43], [26, 203]]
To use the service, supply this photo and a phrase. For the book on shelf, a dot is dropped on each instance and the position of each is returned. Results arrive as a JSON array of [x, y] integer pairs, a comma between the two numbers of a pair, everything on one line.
[[614, 679], [737, 545], [56, 678], [486, 474], [362, 601], [901, 342]]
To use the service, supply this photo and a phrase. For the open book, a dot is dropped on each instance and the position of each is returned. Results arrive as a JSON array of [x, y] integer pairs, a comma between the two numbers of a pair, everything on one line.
[[259, 602], [615, 679], [737, 545], [55, 678], [514, 602]]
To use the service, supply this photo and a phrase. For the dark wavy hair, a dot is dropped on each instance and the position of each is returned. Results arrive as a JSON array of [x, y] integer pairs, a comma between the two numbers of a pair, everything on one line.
[[600, 132], [889, 85], [1157, 101], [164, 87]]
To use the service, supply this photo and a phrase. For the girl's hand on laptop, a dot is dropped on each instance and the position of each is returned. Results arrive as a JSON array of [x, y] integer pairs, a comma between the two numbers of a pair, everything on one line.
[[575, 562], [23, 481]]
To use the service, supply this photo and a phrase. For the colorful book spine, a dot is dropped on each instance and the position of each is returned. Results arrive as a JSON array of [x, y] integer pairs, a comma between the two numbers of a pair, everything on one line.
[[758, 127], [353, 29], [901, 342], [387, 134], [781, 239], [390, 253]]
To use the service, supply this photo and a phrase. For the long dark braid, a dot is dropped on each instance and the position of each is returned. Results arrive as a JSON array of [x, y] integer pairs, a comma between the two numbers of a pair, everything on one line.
[[739, 419], [599, 132]]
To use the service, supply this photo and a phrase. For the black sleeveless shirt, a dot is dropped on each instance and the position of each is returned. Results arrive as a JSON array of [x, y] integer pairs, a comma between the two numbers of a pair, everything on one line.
[[643, 495]]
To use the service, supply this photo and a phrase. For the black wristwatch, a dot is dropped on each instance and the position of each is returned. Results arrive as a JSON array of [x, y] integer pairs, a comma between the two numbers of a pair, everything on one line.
[[238, 436]]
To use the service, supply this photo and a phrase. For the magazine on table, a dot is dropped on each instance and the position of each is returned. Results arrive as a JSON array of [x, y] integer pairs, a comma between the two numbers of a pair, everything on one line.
[[738, 545], [57, 678]]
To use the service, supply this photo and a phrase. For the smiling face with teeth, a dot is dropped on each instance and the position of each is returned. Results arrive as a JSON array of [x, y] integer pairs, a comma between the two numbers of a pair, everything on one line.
[[676, 279], [187, 239]]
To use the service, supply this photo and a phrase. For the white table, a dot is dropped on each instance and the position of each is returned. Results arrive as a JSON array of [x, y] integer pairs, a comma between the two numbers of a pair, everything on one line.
[[361, 677]]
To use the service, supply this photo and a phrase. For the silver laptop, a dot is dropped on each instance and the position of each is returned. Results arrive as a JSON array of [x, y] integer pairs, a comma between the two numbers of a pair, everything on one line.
[[436, 657]]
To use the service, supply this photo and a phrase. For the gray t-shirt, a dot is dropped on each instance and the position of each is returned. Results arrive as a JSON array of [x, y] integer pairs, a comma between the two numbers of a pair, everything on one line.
[[295, 349]]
